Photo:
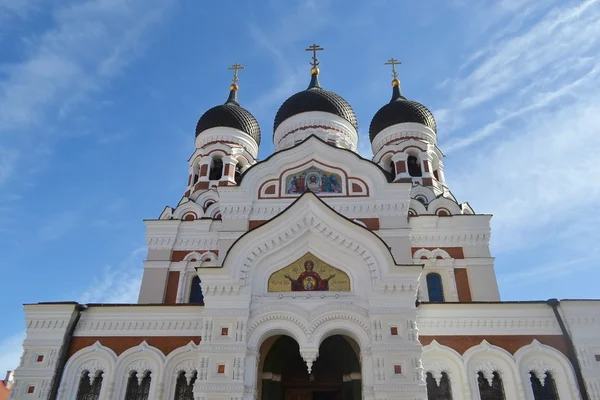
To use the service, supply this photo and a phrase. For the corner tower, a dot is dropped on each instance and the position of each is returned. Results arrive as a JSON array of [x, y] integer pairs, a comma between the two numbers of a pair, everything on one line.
[[315, 111], [227, 140], [403, 136]]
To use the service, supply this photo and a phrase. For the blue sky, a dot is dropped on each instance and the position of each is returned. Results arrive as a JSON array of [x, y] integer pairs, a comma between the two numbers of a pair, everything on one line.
[[99, 100]]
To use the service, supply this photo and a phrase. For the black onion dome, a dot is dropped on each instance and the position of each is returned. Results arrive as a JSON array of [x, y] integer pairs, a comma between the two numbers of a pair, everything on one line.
[[315, 98], [400, 110], [230, 115]]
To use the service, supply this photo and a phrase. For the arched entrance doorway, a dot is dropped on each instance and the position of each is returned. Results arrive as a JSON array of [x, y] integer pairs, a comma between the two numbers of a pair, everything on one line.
[[335, 374]]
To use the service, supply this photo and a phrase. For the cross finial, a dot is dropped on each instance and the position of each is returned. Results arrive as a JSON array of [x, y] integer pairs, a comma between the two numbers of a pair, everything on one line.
[[393, 62], [314, 48], [236, 67]]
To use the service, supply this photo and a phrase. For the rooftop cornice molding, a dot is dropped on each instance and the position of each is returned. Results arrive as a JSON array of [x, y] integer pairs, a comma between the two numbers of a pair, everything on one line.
[[226, 134], [457, 325], [448, 239], [402, 131], [311, 122]]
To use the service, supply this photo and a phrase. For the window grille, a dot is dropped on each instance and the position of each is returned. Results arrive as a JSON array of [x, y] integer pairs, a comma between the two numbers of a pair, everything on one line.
[[414, 168], [547, 391], [183, 390], [441, 392], [137, 390], [196, 296], [87, 390], [434, 287], [495, 391], [216, 171]]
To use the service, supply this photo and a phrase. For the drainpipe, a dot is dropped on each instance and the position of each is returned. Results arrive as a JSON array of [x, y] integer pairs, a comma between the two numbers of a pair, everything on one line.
[[64, 351], [555, 303]]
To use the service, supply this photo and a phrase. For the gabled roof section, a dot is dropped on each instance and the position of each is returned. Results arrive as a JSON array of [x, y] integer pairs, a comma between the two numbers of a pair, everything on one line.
[[306, 213], [298, 146]]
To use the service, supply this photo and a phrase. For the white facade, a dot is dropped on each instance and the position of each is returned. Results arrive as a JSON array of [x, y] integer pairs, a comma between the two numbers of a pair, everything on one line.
[[386, 231]]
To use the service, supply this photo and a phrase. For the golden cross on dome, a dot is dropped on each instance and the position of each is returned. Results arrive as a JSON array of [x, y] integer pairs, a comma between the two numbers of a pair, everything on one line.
[[236, 67], [393, 62], [314, 48]]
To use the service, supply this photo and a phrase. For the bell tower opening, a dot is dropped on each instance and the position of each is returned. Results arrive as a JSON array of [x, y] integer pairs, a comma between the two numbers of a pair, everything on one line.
[[335, 374]]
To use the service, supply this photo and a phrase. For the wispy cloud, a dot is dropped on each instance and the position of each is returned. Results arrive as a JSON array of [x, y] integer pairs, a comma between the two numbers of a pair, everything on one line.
[[511, 70], [10, 352], [531, 93], [88, 43], [303, 22], [119, 283], [547, 272]]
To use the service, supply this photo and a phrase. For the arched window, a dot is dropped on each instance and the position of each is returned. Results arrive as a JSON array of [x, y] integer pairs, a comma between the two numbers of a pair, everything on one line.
[[184, 390], [89, 389], [441, 391], [421, 199], [393, 169], [238, 173], [434, 287], [543, 390], [196, 296], [216, 170], [414, 168], [137, 390], [495, 391]]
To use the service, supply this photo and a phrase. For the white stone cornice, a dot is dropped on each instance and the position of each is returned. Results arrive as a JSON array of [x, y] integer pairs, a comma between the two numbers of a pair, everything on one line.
[[402, 131], [225, 134], [322, 124]]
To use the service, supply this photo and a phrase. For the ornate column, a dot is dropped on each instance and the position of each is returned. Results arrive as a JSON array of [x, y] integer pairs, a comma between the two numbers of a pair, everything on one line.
[[251, 375], [427, 166], [228, 178], [203, 171], [399, 160]]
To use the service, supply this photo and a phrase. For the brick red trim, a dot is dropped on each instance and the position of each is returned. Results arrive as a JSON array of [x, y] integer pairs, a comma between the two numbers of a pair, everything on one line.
[[462, 284], [119, 344], [172, 285], [510, 343], [454, 252], [179, 255], [255, 223]]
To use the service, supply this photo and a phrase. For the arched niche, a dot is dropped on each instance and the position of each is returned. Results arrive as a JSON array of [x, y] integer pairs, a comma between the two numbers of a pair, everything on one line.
[[335, 372], [309, 225]]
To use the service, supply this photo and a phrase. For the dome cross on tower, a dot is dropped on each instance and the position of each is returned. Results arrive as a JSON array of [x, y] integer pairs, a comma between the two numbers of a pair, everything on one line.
[[315, 62], [393, 62], [236, 67]]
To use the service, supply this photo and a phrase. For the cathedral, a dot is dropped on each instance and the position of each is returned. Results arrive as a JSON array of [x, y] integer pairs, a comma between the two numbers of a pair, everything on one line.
[[315, 274]]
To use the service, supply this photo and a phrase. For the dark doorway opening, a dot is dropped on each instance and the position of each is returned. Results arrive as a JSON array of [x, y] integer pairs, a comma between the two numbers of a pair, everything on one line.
[[335, 374]]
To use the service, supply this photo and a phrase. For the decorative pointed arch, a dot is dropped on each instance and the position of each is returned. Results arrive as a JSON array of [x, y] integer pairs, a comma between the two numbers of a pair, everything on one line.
[[488, 359], [94, 359], [540, 360], [183, 359], [439, 359], [142, 359], [311, 225]]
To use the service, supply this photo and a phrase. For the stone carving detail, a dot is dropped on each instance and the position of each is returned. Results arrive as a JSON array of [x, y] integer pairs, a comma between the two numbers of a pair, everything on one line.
[[378, 369], [240, 332], [309, 358], [238, 368], [202, 369], [418, 375], [141, 367], [377, 331], [436, 371], [488, 368], [540, 370], [206, 331], [94, 367], [413, 331], [311, 223]]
